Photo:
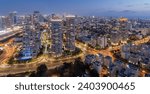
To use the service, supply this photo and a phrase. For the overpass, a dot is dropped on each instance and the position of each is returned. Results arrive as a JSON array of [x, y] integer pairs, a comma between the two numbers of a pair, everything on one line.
[[10, 34]]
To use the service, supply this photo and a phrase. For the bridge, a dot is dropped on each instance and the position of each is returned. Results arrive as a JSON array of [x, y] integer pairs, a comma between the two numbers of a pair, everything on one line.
[[11, 33]]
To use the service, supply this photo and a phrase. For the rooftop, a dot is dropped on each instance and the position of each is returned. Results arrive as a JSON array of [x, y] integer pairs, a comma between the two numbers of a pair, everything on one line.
[[70, 16], [56, 20]]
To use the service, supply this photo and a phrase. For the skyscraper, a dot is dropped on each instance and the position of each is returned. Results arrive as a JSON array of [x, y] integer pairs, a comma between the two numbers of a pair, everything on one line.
[[28, 19], [37, 17], [56, 36], [31, 42], [1, 23], [13, 18], [70, 32]]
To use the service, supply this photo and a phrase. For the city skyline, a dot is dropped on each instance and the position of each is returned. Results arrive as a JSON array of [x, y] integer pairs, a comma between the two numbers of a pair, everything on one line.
[[136, 8], [75, 39]]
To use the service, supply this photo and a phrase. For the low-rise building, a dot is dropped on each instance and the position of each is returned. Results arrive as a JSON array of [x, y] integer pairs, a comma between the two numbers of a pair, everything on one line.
[[89, 59], [107, 61]]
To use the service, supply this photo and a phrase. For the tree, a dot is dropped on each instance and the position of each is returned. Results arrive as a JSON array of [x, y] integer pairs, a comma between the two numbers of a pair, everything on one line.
[[79, 67], [41, 70], [33, 74], [94, 73]]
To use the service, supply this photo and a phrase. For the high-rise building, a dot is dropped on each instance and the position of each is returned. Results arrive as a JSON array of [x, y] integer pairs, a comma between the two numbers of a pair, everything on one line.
[[1, 23], [28, 19], [21, 20], [37, 17], [53, 16], [13, 18], [31, 43], [6, 22], [70, 32], [56, 36]]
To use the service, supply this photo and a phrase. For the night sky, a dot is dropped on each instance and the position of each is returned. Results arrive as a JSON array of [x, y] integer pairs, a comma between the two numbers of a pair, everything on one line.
[[79, 7]]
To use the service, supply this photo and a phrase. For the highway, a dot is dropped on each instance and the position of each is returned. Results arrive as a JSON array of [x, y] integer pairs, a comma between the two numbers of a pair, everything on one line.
[[8, 52], [6, 69], [27, 67], [12, 32]]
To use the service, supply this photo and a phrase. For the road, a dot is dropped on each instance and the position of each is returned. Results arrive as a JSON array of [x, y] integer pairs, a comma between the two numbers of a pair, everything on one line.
[[27, 67], [9, 32], [52, 63], [8, 52], [89, 50], [6, 69]]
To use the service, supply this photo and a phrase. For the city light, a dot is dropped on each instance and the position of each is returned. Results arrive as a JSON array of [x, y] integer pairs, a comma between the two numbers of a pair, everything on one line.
[[54, 40]]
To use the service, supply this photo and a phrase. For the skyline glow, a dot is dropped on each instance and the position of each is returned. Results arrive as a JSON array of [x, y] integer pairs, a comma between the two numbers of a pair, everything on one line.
[[80, 7]]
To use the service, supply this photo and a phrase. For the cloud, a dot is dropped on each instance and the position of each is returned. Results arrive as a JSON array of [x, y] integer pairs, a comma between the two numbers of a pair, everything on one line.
[[123, 11], [146, 4], [130, 5], [127, 11]]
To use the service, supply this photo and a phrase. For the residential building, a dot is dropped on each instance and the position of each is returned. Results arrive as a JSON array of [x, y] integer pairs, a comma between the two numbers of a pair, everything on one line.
[[56, 36], [70, 32], [31, 43]]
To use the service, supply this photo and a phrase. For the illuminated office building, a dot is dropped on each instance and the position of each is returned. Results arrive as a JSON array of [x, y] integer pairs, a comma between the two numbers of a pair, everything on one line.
[[13, 18]]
